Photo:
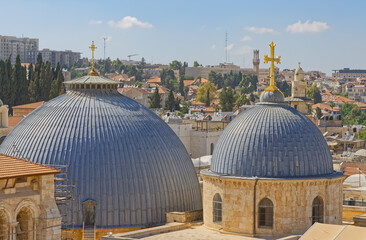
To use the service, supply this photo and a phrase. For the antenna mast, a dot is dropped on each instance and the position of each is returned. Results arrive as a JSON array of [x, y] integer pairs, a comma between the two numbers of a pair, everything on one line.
[[226, 47], [104, 38]]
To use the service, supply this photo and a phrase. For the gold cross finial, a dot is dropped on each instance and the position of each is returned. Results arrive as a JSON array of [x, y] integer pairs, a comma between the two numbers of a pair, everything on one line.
[[93, 72], [272, 86]]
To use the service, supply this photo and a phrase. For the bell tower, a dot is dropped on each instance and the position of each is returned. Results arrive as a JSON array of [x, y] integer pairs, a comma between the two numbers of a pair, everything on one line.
[[299, 84]]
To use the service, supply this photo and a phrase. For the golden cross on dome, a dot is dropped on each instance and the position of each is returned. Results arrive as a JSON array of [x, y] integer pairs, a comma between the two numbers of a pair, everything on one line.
[[93, 72], [272, 59]]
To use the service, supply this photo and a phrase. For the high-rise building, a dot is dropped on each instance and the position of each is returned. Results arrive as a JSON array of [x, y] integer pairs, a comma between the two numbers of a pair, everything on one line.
[[65, 58], [13, 46]]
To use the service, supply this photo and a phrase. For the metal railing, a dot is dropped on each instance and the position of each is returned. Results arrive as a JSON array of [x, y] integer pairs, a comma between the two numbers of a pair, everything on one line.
[[359, 203]]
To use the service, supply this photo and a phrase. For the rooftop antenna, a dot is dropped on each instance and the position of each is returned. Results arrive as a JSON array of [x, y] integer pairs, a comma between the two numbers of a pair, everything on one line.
[[226, 47], [105, 39]]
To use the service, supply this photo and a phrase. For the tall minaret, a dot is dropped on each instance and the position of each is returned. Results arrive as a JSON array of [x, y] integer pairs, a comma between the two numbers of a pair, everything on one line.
[[256, 62]]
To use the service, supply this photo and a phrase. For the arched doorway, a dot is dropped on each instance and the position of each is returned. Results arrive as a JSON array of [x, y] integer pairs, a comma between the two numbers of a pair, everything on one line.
[[89, 208], [4, 225], [25, 228], [317, 210]]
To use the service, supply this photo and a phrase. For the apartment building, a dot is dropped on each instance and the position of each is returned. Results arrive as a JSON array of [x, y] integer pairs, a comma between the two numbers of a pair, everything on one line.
[[65, 58], [13, 46], [349, 74]]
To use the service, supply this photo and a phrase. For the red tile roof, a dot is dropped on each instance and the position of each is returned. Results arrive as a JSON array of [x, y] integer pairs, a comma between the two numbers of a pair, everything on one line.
[[13, 121], [197, 103], [12, 167], [30, 105], [188, 82], [154, 79]]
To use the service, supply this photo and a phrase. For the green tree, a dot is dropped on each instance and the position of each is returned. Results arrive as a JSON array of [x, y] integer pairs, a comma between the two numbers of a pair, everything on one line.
[[202, 92], [138, 84], [248, 84], [227, 99], [253, 97], [177, 104], [185, 107], [284, 88], [170, 102], [362, 135], [155, 99], [195, 64], [54, 91], [175, 65], [332, 105], [208, 102], [242, 100], [314, 93], [32, 89], [181, 86], [319, 113]]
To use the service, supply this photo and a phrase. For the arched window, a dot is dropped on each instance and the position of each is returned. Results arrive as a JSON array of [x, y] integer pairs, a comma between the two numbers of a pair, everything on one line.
[[317, 210], [217, 208], [212, 148], [265, 213]]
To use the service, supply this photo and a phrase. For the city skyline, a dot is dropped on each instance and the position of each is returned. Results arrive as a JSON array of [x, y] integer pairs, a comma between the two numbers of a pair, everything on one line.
[[322, 36]]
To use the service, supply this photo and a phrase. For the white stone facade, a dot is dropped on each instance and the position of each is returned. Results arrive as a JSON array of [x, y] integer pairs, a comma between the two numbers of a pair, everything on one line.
[[198, 143]]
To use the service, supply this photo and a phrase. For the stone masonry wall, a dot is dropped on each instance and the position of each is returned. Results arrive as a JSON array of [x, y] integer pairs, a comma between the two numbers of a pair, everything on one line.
[[292, 200]]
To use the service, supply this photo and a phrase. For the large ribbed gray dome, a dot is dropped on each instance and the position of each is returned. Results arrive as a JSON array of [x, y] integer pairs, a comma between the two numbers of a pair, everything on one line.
[[120, 154], [272, 140]]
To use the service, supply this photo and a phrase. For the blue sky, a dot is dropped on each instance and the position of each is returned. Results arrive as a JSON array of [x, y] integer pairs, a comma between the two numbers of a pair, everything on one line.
[[322, 35]]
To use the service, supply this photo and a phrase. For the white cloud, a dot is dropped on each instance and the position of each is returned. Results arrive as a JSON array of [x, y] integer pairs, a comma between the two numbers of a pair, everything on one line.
[[258, 30], [213, 46], [245, 39], [230, 46], [95, 22], [243, 50], [129, 22], [307, 27]]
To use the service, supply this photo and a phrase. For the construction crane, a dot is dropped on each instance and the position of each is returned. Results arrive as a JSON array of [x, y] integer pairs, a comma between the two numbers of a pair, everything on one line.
[[129, 56]]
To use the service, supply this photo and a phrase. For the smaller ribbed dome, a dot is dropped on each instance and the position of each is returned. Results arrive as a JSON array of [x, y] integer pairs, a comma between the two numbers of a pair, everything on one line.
[[272, 96], [272, 140]]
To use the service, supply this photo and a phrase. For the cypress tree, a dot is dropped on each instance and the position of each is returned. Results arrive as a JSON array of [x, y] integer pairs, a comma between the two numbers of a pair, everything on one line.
[[170, 103], [2, 79], [54, 91], [39, 64], [42, 84], [57, 70], [7, 82], [32, 91], [181, 85], [155, 99], [60, 82], [208, 98], [19, 83]]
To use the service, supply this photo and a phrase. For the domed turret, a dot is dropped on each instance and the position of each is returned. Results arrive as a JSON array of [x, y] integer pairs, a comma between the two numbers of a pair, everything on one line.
[[299, 74]]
